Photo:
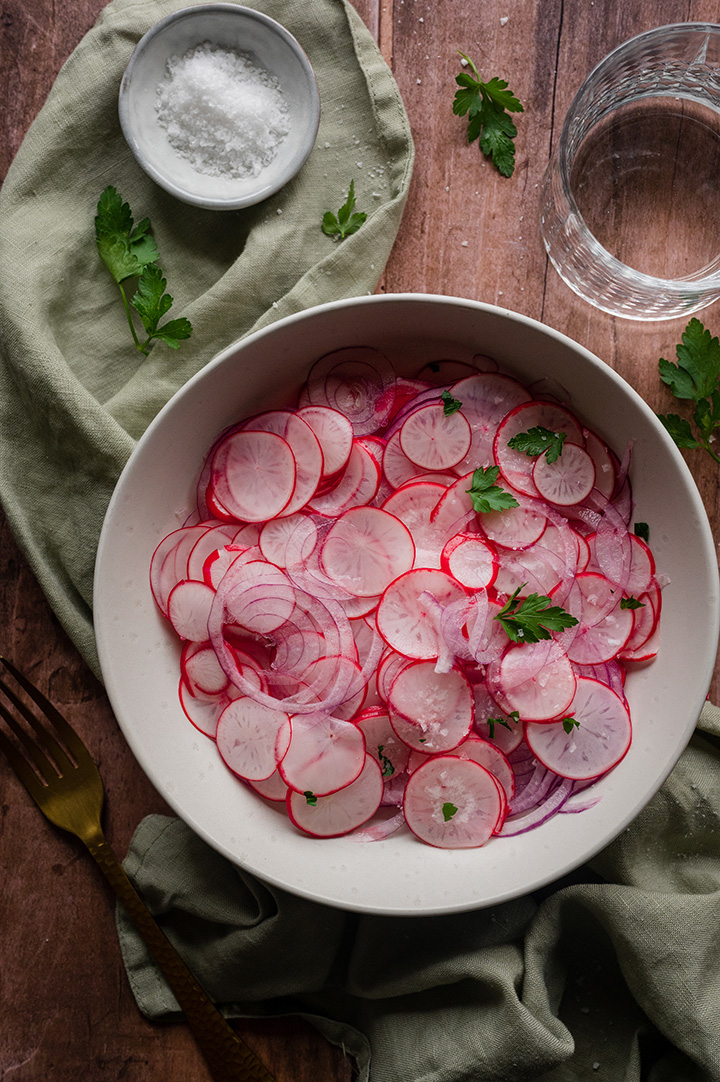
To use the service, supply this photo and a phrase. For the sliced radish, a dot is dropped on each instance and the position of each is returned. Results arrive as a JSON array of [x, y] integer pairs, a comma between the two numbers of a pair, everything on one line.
[[169, 562], [492, 758], [433, 440], [569, 479], [517, 528], [470, 559], [333, 432], [604, 626], [604, 462], [340, 812], [410, 611], [382, 741], [272, 788], [452, 803], [486, 398], [536, 679], [430, 711], [305, 447], [189, 606], [201, 670], [252, 739], [356, 486], [253, 475], [598, 742], [324, 755], [365, 549], [413, 504]]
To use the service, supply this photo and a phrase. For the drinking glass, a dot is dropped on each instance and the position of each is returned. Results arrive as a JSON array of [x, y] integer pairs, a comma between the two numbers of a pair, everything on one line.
[[630, 206]]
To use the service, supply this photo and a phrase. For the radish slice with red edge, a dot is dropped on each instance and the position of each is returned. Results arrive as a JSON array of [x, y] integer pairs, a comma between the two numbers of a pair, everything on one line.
[[365, 549], [430, 711], [325, 754], [252, 739], [340, 812], [433, 439], [568, 480], [592, 747], [253, 475], [452, 803]]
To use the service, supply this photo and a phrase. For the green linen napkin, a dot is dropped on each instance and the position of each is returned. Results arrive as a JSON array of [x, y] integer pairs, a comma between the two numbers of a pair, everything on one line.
[[74, 392], [612, 974]]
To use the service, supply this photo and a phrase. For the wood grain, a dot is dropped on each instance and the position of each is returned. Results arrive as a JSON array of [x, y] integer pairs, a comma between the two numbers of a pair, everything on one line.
[[67, 1011]]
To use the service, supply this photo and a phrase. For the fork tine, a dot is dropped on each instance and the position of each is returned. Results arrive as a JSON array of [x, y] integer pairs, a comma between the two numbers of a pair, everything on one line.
[[66, 732], [21, 767], [33, 751], [44, 739]]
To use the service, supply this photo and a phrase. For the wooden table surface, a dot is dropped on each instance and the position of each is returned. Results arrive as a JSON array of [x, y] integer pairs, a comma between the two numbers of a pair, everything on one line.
[[66, 1008]]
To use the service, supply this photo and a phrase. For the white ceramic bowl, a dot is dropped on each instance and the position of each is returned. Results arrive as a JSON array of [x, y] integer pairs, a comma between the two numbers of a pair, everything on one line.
[[232, 27], [139, 654]]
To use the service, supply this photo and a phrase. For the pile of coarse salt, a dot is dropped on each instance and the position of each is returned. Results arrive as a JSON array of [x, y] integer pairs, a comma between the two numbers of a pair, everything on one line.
[[222, 112]]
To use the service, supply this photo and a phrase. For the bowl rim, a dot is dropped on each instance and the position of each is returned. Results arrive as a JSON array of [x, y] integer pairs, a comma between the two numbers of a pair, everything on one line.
[[695, 695], [162, 179]]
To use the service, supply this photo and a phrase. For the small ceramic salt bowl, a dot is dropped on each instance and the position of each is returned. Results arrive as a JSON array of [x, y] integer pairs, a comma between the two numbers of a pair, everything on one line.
[[220, 105]]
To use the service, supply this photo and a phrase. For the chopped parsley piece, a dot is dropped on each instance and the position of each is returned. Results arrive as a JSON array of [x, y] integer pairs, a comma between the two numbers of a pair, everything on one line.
[[631, 603], [539, 441], [448, 811], [450, 404], [486, 495], [569, 724], [532, 618], [642, 530], [310, 797], [492, 722], [385, 765]]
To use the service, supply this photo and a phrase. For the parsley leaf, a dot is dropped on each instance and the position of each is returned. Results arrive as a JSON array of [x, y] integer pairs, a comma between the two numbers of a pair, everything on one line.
[[631, 603], [538, 441], [450, 404], [695, 378], [152, 302], [128, 251], [569, 724], [346, 221], [310, 798], [486, 495], [487, 106], [492, 722], [448, 811], [385, 765], [642, 530], [533, 617], [124, 250]]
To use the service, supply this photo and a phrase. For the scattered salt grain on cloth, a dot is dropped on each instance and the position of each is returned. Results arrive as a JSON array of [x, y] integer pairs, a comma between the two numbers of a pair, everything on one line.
[[222, 112]]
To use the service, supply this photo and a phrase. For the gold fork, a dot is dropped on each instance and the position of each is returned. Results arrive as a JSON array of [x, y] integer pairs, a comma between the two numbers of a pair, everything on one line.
[[57, 770]]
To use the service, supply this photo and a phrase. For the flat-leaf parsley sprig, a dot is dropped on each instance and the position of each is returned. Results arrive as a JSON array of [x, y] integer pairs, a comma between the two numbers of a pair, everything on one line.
[[695, 377], [486, 495], [347, 221], [487, 107], [532, 618], [128, 251], [539, 441]]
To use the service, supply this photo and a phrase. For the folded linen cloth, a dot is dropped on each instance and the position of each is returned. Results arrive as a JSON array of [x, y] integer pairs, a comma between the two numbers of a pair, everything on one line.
[[613, 973], [74, 392]]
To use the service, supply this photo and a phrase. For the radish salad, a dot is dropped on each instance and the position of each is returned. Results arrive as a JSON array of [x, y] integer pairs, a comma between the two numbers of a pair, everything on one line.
[[412, 602]]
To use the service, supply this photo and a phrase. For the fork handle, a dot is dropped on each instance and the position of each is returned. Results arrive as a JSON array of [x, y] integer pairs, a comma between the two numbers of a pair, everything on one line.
[[226, 1054]]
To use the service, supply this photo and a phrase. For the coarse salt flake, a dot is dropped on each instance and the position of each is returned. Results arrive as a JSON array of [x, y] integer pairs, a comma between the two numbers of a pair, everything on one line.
[[221, 111]]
